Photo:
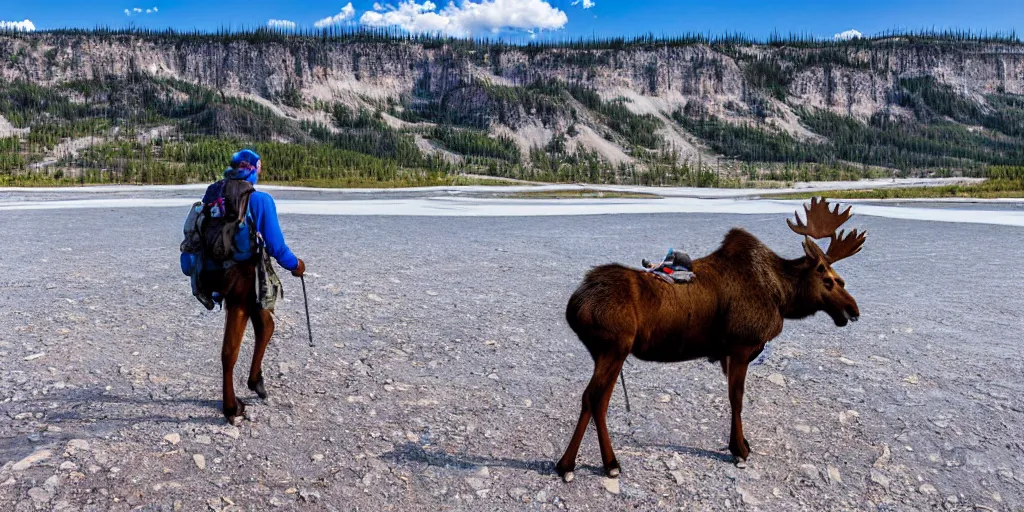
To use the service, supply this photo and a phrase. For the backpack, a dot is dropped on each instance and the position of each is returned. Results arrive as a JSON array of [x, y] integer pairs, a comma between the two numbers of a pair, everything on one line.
[[228, 232], [220, 228], [219, 232]]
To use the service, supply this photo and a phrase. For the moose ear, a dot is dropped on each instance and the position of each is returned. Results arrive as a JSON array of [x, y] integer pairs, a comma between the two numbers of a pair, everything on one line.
[[813, 251]]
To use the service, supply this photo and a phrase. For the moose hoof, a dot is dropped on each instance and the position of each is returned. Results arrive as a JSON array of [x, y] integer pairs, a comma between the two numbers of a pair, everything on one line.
[[565, 471], [740, 462], [235, 414], [258, 387], [613, 469], [740, 451]]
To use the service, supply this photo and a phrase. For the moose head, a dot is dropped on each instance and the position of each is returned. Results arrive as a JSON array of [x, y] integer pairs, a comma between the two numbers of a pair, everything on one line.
[[823, 288]]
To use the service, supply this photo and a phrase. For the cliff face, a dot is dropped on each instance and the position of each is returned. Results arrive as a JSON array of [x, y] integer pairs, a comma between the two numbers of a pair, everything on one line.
[[972, 71], [483, 86], [335, 70]]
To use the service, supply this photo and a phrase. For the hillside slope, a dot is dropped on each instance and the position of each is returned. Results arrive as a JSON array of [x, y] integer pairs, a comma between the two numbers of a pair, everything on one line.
[[378, 107]]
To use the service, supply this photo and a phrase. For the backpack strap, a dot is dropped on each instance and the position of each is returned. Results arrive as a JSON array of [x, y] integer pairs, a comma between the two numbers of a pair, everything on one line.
[[243, 210], [257, 236]]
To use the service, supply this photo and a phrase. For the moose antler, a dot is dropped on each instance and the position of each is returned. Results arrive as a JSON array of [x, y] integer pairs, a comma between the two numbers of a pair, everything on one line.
[[822, 222], [842, 247]]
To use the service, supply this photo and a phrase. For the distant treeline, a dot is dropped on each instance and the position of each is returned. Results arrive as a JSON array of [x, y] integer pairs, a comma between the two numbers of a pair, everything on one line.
[[263, 34]]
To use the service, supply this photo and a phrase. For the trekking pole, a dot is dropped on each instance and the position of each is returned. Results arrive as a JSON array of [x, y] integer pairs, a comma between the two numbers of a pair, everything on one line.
[[305, 300], [622, 376]]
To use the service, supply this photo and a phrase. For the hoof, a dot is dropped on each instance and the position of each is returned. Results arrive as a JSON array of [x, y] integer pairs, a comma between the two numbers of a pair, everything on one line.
[[258, 387], [740, 462], [613, 469], [565, 471], [235, 414], [740, 453]]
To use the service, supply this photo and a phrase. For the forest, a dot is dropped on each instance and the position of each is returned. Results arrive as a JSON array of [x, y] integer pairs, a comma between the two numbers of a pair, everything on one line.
[[142, 128]]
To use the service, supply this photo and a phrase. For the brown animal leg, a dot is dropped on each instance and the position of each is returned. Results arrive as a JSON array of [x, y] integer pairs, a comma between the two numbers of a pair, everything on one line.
[[608, 377], [598, 392], [237, 316], [738, 444], [567, 463], [263, 327]]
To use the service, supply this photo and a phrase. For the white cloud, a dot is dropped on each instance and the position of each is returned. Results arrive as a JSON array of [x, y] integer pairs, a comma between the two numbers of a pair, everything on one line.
[[587, 4], [468, 19], [281, 24], [348, 12], [18, 26], [138, 10], [849, 34]]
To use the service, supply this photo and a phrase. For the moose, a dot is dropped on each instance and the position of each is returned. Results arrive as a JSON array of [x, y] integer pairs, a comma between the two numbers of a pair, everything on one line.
[[736, 304]]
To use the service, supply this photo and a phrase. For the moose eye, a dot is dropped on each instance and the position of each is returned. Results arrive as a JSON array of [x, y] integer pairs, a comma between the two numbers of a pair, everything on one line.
[[829, 283], [821, 269]]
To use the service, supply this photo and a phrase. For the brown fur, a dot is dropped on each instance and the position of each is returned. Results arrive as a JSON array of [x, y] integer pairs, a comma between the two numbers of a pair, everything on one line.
[[241, 305], [736, 304]]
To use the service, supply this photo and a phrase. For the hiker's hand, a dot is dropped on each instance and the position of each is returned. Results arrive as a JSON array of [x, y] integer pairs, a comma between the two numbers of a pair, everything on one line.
[[299, 270]]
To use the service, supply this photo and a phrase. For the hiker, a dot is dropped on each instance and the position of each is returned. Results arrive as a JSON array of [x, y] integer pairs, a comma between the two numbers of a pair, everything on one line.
[[230, 237]]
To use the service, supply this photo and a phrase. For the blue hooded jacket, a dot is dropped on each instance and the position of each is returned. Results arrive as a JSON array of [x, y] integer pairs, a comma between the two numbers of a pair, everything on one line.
[[264, 214]]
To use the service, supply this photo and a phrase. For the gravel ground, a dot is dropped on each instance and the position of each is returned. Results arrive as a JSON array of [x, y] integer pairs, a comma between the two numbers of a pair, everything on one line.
[[444, 376]]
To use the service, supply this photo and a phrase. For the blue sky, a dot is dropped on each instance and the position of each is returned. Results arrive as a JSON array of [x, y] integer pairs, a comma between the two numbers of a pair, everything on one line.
[[542, 18]]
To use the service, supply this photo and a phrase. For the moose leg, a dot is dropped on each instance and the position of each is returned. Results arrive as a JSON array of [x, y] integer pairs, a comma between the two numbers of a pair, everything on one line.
[[263, 328], [598, 390], [567, 463], [737, 375], [609, 372], [234, 328]]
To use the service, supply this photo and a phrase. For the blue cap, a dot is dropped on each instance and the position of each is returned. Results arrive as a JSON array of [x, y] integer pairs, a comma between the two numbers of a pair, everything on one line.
[[247, 156]]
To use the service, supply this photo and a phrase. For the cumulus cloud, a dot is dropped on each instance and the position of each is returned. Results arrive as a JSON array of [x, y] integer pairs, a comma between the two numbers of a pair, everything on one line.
[[138, 10], [18, 26], [348, 12], [468, 18], [849, 34], [587, 4], [281, 25]]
